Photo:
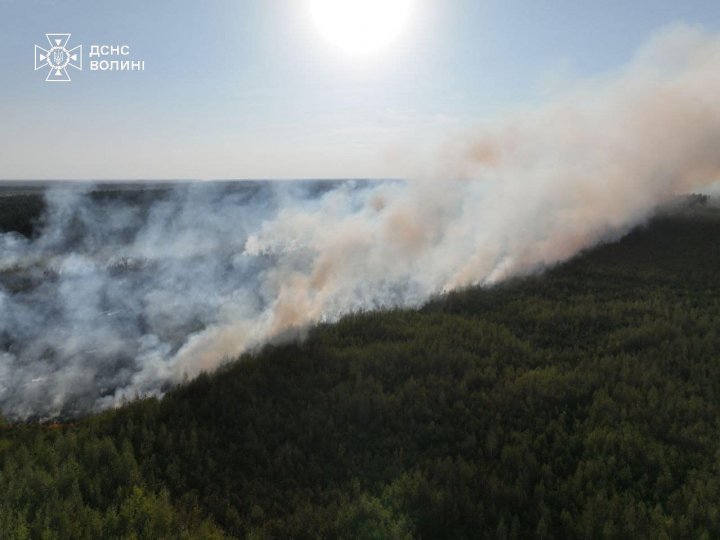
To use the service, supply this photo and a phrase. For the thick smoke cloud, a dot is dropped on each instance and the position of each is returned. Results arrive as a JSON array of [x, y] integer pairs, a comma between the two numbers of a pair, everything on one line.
[[116, 299]]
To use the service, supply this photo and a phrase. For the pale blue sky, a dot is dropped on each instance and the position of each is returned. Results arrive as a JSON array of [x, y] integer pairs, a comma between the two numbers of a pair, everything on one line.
[[248, 89]]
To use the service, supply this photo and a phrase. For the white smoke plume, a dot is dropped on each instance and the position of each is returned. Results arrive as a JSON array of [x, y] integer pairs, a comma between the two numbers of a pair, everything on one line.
[[116, 299]]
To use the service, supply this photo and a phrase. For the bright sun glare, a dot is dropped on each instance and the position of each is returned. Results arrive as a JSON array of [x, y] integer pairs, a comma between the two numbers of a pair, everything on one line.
[[360, 27]]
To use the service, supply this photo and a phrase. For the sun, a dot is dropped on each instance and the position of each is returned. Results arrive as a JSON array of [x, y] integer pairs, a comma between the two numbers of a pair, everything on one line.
[[360, 27]]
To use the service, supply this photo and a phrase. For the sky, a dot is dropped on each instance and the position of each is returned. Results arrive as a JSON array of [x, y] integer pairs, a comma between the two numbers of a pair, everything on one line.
[[251, 88]]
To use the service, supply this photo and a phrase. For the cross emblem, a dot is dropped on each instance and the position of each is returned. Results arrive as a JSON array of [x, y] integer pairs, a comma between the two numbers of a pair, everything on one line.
[[57, 58]]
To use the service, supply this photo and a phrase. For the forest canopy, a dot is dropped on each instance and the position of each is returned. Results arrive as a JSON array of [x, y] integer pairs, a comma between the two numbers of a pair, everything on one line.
[[580, 403]]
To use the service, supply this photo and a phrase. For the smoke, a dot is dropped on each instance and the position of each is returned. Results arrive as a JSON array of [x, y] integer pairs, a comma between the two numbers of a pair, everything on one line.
[[120, 297]]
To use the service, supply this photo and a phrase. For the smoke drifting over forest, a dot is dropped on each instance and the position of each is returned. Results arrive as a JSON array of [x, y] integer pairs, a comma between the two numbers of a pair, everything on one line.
[[116, 298]]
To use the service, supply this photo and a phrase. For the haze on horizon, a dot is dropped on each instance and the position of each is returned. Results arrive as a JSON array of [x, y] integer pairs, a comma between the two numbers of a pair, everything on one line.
[[254, 89]]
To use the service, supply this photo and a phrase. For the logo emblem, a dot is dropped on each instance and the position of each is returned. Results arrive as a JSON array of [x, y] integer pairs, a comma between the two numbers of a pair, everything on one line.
[[58, 57]]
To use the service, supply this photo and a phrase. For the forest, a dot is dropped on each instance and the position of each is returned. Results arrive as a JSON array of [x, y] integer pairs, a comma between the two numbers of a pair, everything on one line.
[[581, 402]]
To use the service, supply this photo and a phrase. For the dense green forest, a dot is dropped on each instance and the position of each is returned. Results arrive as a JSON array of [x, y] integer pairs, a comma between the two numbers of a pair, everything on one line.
[[20, 212], [580, 403]]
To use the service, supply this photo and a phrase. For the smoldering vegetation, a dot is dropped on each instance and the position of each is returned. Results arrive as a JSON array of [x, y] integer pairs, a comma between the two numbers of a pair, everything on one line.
[[101, 287], [580, 403], [110, 297]]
